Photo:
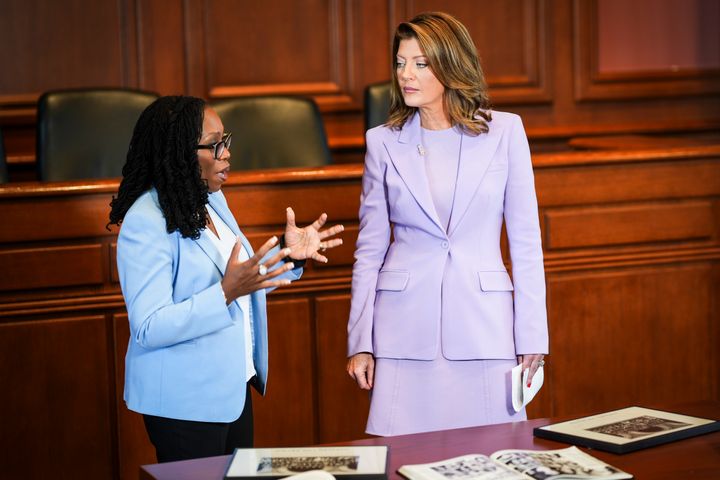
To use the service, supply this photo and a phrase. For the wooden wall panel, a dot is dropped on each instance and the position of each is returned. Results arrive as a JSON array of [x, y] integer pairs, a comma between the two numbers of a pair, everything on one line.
[[286, 416], [55, 217], [592, 227], [627, 181], [133, 445], [313, 49], [162, 65], [56, 399], [672, 81], [616, 337], [540, 58], [256, 205], [343, 407], [61, 267], [61, 48], [625, 312], [512, 39]]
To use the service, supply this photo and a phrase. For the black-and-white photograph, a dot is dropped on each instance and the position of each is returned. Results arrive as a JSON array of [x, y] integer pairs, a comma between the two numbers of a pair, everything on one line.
[[639, 427], [291, 465], [541, 466], [473, 467]]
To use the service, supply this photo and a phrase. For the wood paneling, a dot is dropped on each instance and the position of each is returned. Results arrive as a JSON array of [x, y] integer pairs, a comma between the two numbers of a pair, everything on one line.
[[133, 445], [160, 29], [617, 337], [632, 257], [60, 267], [540, 58], [313, 48], [593, 84], [286, 416], [65, 44], [338, 395], [56, 399], [591, 227], [514, 45], [627, 182], [60, 216]]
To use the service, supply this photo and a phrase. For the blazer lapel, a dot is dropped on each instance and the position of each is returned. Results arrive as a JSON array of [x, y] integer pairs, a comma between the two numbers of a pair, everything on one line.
[[218, 203], [410, 165], [211, 251], [475, 156]]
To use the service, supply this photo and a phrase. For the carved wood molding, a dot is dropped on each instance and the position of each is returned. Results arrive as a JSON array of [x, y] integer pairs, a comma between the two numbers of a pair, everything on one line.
[[340, 285], [331, 94], [557, 263], [533, 85], [591, 84]]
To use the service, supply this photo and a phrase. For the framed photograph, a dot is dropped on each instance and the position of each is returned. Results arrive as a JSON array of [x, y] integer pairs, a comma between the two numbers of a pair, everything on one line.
[[356, 463], [627, 429]]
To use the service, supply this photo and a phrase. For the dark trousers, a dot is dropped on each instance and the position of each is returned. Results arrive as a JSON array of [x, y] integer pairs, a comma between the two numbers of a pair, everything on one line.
[[183, 439]]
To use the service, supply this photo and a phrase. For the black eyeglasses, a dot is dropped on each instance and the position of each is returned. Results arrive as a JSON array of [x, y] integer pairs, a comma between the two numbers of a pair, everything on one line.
[[218, 148]]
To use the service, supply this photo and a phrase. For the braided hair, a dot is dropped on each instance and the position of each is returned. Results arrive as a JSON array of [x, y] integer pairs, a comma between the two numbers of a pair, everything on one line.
[[163, 154]]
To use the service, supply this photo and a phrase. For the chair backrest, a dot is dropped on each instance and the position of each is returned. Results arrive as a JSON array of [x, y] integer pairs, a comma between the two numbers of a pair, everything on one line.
[[273, 132], [86, 133], [377, 104], [3, 161]]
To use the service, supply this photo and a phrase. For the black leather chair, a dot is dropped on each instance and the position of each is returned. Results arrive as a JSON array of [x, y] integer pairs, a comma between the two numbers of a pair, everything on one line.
[[86, 133], [377, 104], [273, 132], [3, 161]]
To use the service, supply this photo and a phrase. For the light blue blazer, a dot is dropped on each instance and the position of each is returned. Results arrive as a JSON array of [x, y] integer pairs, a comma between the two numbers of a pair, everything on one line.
[[186, 356]]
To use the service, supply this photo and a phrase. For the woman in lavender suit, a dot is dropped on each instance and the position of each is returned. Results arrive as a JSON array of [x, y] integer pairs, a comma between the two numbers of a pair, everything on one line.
[[436, 323]]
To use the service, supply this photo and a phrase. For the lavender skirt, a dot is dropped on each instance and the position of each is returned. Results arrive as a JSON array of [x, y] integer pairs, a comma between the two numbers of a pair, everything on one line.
[[412, 396]]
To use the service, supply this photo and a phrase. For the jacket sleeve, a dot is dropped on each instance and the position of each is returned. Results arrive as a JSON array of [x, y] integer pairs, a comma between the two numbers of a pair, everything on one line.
[[372, 244], [523, 229], [145, 266]]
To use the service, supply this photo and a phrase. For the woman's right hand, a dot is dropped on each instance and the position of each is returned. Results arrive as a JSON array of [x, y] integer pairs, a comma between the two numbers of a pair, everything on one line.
[[361, 367], [243, 278]]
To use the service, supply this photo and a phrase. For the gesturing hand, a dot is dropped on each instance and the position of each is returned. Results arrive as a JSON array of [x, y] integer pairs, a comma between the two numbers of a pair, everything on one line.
[[305, 242], [243, 278]]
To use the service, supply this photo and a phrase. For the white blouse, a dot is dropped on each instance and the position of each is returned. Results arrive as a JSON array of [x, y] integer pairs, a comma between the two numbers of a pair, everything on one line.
[[225, 244]]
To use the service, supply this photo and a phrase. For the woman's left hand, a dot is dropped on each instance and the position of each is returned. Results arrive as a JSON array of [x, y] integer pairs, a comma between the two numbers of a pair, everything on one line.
[[532, 361], [305, 242]]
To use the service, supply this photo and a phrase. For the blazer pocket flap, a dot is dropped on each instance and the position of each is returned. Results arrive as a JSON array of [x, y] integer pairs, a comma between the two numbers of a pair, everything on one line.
[[495, 282], [393, 280]]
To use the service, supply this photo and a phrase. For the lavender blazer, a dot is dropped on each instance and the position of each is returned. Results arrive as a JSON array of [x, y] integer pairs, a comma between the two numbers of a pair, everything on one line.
[[402, 289]]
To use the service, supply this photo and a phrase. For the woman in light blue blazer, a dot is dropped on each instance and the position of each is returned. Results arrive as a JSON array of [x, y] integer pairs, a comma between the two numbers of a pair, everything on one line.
[[193, 287], [436, 323]]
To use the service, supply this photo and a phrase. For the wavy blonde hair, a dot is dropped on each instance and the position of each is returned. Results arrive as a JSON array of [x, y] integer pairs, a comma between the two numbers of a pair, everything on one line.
[[453, 59]]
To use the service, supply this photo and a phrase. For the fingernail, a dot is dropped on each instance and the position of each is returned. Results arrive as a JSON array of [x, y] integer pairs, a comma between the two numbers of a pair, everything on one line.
[[273, 239], [286, 252]]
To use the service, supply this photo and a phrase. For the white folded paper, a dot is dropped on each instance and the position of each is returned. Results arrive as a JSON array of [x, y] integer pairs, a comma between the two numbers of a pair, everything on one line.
[[521, 393]]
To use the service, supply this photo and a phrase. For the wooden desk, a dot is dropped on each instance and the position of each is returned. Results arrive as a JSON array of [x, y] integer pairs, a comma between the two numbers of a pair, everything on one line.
[[694, 458]]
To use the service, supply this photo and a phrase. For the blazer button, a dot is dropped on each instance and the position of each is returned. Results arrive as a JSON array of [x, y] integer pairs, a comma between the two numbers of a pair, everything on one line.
[[445, 244]]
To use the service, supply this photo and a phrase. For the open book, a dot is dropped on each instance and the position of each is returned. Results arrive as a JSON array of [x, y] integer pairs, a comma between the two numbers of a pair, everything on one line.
[[567, 463]]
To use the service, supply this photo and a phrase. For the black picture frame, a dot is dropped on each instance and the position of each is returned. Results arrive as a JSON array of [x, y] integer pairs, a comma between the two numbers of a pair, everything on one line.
[[627, 429]]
